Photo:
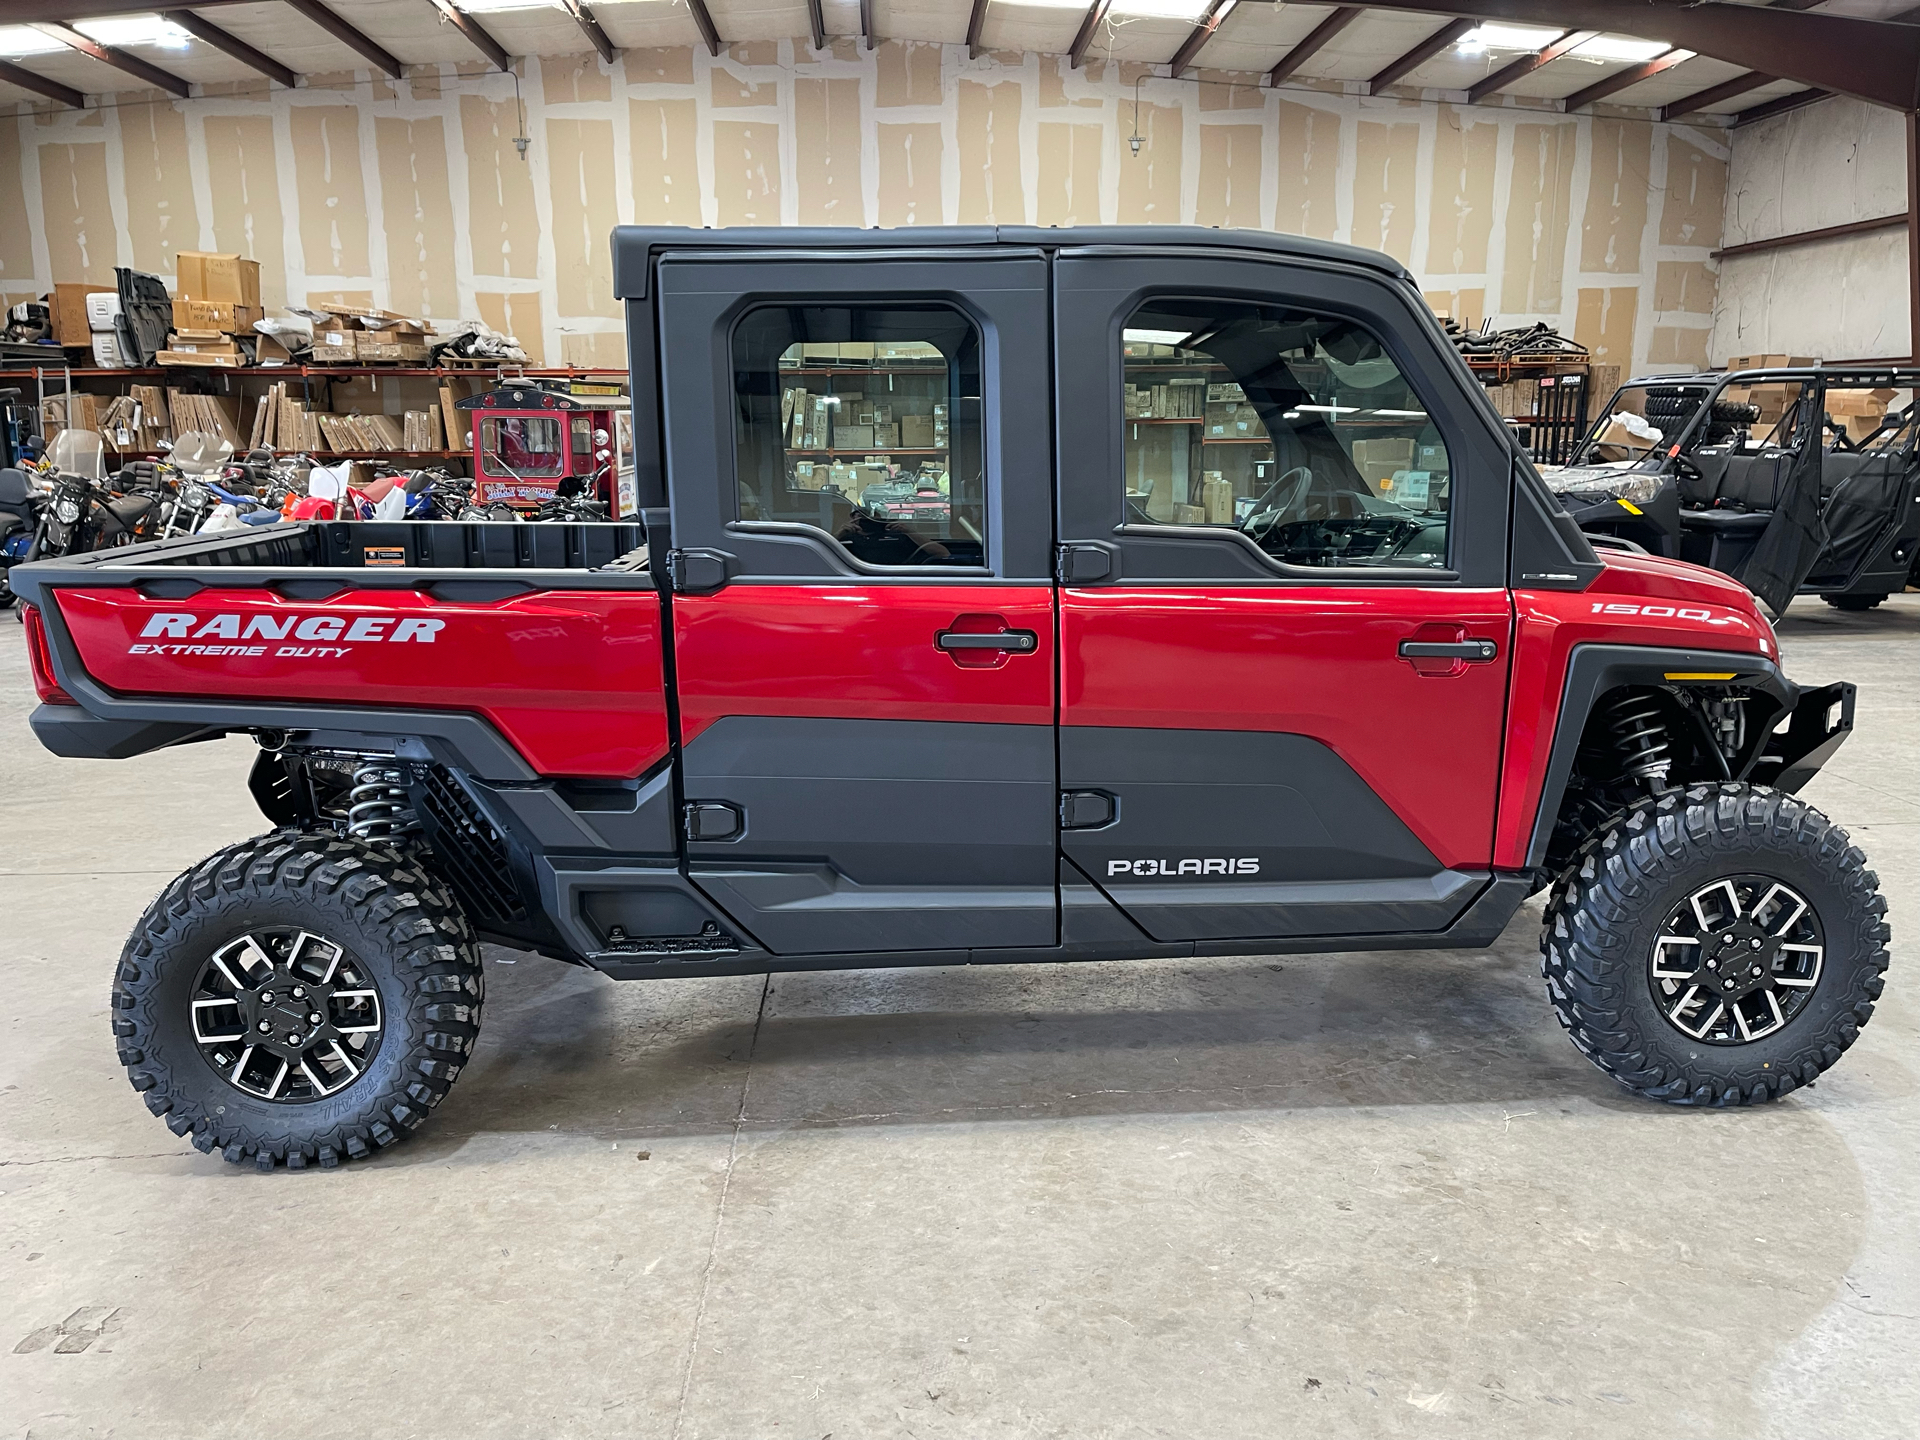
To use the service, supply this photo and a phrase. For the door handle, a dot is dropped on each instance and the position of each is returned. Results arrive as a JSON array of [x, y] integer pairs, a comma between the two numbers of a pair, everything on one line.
[[1476, 652], [1019, 641]]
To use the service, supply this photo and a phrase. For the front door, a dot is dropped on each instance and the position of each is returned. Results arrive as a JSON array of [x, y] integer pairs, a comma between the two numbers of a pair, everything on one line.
[[863, 629], [1285, 630]]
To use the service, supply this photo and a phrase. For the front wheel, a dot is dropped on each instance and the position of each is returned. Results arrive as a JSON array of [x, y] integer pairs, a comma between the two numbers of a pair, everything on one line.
[[1853, 602], [1716, 946], [298, 998]]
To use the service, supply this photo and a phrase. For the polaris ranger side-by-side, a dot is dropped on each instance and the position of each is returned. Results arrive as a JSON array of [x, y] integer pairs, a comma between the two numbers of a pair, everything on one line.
[[979, 595]]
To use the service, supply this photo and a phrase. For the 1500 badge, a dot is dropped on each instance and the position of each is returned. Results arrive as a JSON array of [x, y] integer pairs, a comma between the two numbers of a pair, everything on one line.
[[1244, 865]]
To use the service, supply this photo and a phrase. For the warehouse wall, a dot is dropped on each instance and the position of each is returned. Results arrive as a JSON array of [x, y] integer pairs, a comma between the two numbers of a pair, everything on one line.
[[1842, 299], [410, 196]]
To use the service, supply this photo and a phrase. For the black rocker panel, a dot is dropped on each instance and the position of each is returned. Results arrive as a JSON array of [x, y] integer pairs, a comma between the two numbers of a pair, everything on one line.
[[1224, 834]]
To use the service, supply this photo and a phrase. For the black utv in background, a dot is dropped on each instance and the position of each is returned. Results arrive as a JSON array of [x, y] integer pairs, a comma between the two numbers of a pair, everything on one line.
[[1794, 481]]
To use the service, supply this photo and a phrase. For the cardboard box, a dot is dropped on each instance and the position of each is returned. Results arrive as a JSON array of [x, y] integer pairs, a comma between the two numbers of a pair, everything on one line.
[[853, 437], [808, 476], [215, 315], [203, 275], [1770, 362], [373, 347], [1189, 515], [1398, 452], [334, 344], [68, 305], [269, 351], [886, 437], [1216, 498], [202, 342], [916, 432], [190, 357], [1602, 381]]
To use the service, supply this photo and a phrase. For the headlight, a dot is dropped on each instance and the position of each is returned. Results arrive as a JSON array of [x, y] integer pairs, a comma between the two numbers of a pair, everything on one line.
[[67, 510], [1592, 486]]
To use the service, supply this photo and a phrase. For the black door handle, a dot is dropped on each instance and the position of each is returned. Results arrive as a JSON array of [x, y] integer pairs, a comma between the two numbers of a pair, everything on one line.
[[1476, 651], [1020, 640]]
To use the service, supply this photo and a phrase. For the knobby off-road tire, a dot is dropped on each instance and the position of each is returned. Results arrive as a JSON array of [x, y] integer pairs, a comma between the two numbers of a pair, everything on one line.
[[1853, 602], [399, 932], [1611, 906]]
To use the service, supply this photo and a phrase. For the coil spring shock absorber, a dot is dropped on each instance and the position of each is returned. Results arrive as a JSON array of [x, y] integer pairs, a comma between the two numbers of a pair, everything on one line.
[[377, 804], [1640, 738]]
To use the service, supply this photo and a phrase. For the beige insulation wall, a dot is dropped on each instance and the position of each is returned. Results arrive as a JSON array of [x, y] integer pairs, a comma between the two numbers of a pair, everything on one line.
[[409, 195]]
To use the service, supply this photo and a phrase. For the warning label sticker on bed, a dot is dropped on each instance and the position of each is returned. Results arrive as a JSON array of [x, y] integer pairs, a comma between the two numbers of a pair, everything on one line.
[[384, 554]]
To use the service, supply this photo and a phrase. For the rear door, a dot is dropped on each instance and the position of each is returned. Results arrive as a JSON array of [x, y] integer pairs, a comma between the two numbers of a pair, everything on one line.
[[1285, 628], [863, 624]]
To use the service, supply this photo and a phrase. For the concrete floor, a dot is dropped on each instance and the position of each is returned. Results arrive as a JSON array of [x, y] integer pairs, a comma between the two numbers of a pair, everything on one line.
[[1365, 1195]]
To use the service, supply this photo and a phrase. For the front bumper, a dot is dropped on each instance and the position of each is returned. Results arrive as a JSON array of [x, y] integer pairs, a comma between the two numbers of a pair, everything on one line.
[[1820, 720]]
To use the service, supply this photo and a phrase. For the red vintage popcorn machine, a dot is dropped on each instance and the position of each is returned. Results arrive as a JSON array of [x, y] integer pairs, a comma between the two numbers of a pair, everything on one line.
[[533, 442]]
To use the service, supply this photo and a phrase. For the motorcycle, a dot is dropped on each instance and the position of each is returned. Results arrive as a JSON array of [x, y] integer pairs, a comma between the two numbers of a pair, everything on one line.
[[20, 506]]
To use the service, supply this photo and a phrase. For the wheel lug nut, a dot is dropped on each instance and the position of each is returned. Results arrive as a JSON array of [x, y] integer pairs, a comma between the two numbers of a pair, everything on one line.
[[1726, 984], [1713, 964], [266, 997], [1754, 944], [314, 1019], [265, 1026], [298, 993], [1754, 971]]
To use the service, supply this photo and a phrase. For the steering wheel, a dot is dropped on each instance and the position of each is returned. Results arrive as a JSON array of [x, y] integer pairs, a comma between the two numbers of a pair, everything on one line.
[[1276, 502]]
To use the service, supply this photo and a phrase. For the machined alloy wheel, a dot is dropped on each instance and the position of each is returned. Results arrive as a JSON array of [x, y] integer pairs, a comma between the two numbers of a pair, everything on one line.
[[286, 1015], [1736, 960], [1718, 945], [298, 999]]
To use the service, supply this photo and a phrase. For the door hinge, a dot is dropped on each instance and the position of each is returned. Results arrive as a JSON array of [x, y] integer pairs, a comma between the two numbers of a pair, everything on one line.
[[713, 820], [1082, 564], [695, 572], [1087, 809]]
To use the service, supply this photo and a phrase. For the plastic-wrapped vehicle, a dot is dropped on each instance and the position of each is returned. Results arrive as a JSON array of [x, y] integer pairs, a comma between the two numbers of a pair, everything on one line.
[[1246, 628], [1797, 504]]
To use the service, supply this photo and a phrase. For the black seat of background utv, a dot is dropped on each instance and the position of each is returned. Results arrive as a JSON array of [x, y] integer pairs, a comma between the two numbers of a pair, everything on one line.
[[1749, 491]]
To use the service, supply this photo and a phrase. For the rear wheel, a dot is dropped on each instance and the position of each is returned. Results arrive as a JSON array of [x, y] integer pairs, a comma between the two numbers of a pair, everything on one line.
[[1853, 602], [298, 999], [1716, 946]]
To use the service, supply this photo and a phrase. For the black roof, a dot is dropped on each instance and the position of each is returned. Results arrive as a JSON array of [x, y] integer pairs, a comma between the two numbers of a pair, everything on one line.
[[634, 245]]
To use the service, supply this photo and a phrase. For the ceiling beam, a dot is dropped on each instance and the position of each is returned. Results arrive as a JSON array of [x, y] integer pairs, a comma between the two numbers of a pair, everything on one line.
[[1089, 27], [1621, 79], [974, 23], [231, 45], [817, 24], [1215, 17], [704, 19], [116, 57], [590, 27], [1519, 70], [1871, 60], [1780, 106], [19, 75], [25, 12], [1420, 54], [475, 33], [346, 34], [866, 24], [1316, 40], [1713, 95]]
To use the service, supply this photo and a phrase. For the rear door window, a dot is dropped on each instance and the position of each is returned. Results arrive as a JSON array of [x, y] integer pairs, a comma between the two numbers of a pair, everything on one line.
[[864, 423]]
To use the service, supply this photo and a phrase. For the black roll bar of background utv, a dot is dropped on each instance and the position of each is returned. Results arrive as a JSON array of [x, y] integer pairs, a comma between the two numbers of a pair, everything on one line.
[[1827, 377]]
